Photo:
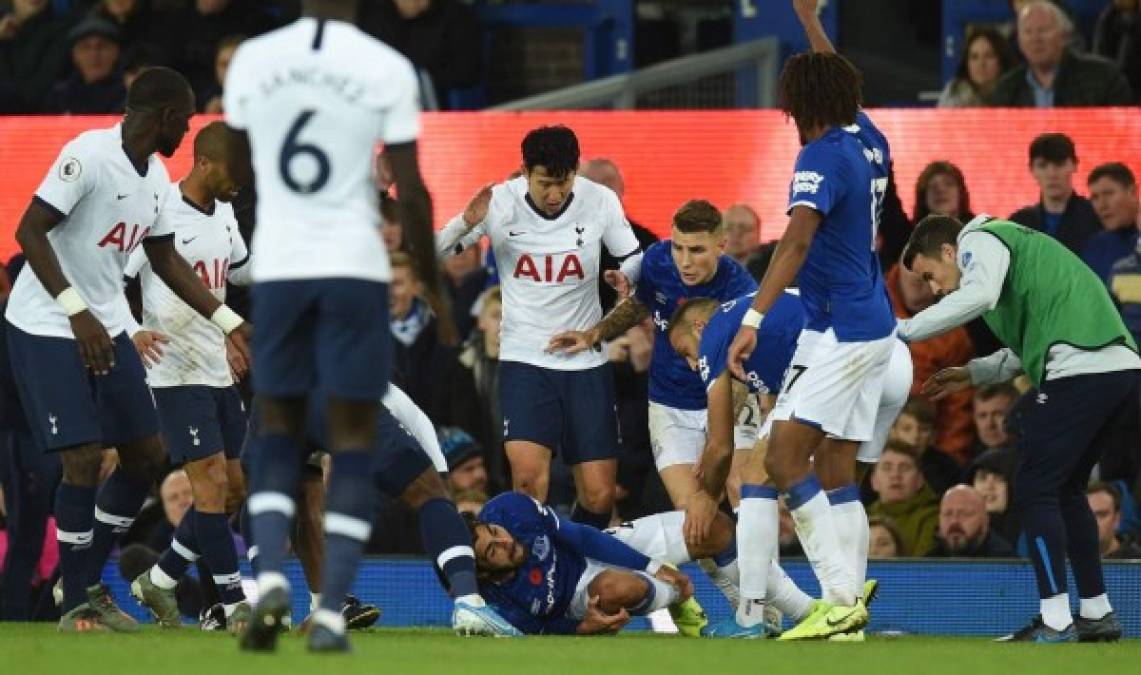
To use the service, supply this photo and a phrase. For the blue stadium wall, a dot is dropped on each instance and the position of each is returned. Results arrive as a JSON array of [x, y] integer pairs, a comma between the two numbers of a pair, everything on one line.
[[934, 598]]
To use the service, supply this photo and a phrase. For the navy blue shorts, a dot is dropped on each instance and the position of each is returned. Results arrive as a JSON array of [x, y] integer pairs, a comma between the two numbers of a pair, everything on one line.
[[331, 333], [199, 421], [66, 405], [397, 457], [571, 411]]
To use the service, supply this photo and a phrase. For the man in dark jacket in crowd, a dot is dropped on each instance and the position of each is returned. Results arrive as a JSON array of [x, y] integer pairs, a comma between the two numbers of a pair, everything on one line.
[[33, 54], [964, 531], [1060, 212]]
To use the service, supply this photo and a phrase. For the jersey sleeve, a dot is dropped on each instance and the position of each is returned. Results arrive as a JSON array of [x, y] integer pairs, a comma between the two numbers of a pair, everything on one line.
[[402, 119], [416, 421], [618, 237], [239, 272], [71, 177], [817, 182], [164, 223], [135, 263], [233, 96], [713, 353], [598, 545]]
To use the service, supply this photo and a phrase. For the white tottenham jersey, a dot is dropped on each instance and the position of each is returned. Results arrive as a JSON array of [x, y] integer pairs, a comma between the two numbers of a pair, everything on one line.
[[211, 244], [548, 267], [108, 209], [316, 97]]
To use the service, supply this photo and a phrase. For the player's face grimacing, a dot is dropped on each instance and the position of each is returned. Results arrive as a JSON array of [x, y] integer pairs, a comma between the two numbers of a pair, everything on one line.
[[942, 274], [548, 192], [496, 550], [696, 254]]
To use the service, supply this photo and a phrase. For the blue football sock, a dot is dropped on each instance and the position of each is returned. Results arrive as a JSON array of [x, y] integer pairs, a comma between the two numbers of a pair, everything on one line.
[[74, 513], [217, 546], [183, 548], [348, 524], [248, 536], [448, 542], [116, 506], [276, 472]]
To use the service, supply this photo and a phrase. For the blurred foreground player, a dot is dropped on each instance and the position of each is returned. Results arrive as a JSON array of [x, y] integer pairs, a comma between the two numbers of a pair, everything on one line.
[[321, 274], [80, 380]]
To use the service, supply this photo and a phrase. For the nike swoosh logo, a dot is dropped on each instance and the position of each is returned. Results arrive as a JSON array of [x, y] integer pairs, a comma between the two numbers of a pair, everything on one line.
[[514, 234], [832, 624], [187, 241], [121, 196]]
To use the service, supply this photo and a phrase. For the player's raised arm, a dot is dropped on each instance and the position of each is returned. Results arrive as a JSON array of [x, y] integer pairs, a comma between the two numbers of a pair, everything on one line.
[[808, 13], [466, 229]]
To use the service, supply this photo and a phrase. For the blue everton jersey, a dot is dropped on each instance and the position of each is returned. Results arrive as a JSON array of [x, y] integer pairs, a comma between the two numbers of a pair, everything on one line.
[[776, 341], [661, 289], [843, 175], [543, 587]]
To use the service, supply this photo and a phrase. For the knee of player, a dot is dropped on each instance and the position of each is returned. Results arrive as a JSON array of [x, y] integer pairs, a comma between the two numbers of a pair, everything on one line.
[[720, 537], [617, 590], [598, 497], [81, 465], [146, 463]]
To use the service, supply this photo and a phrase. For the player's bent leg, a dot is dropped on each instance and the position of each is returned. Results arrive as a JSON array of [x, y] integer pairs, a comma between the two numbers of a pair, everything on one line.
[[596, 484], [74, 513], [210, 481], [680, 483], [530, 468], [835, 464], [235, 486]]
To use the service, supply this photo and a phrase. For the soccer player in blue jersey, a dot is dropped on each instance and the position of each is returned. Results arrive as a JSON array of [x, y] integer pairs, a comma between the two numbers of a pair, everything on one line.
[[830, 399], [549, 575]]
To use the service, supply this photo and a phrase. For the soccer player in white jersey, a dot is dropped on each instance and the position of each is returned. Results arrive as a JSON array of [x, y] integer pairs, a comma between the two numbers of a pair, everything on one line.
[[314, 98], [200, 411], [547, 228], [79, 378]]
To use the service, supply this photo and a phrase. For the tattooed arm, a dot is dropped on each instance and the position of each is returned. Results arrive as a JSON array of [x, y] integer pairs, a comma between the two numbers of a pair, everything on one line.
[[623, 317]]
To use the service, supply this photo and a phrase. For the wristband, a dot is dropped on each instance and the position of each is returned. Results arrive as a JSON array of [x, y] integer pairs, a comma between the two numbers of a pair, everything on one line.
[[226, 319], [70, 301], [752, 319]]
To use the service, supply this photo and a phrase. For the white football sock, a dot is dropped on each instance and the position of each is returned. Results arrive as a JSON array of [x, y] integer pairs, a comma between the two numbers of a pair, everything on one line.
[[758, 523], [1056, 611], [334, 621], [1094, 608], [816, 529], [665, 594], [162, 579], [785, 595], [852, 531]]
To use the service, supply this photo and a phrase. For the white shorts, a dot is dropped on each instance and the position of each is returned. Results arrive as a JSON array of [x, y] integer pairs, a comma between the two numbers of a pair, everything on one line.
[[896, 389], [834, 385], [678, 436], [650, 537]]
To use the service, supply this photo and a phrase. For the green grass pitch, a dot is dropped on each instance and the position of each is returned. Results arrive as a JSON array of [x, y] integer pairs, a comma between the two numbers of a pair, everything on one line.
[[32, 649]]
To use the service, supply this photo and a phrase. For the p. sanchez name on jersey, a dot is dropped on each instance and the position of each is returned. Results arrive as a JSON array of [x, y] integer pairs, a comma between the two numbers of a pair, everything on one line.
[[549, 267], [211, 244], [317, 96], [96, 236]]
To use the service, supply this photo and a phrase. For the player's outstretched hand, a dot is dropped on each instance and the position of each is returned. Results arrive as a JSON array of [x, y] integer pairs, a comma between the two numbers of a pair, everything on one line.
[[946, 382], [239, 365], [677, 579], [700, 512], [476, 211], [743, 345], [95, 345], [598, 622], [619, 283], [571, 342], [149, 345]]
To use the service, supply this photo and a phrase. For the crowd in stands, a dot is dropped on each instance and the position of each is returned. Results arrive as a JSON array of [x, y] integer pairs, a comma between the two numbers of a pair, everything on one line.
[[81, 60]]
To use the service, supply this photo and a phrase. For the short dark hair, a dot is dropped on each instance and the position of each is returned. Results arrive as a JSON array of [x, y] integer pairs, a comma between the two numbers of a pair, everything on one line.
[[820, 89], [921, 409], [901, 448], [1108, 488], [1115, 171], [697, 215], [928, 237], [554, 148], [998, 43], [159, 87], [1055, 148], [683, 315], [987, 392]]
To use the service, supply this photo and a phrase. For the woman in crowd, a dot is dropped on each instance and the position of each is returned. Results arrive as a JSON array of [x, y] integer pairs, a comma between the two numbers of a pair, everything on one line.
[[986, 56]]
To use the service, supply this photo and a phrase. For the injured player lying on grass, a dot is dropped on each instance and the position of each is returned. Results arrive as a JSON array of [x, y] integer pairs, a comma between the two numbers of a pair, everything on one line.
[[548, 575]]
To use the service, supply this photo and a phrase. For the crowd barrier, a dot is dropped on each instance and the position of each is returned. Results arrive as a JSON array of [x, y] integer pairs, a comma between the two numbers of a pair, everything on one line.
[[668, 157], [916, 597]]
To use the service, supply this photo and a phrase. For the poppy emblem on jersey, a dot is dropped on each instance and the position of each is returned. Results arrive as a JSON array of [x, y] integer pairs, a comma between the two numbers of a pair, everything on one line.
[[536, 576], [541, 548], [70, 170]]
